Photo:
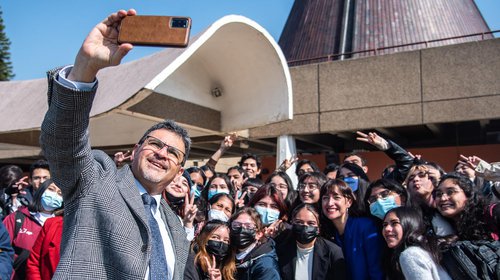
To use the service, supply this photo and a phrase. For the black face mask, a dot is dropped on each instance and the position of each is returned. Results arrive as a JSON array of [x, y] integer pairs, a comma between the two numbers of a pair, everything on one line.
[[242, 237], [176, 202], [304, 234], [218, 249]]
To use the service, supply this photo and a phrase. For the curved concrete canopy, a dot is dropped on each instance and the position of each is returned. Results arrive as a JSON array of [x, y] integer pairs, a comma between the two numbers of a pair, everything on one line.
[[234, 55]]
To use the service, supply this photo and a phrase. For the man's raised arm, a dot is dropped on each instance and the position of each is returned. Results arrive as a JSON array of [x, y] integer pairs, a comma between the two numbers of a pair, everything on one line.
[[64, 133]]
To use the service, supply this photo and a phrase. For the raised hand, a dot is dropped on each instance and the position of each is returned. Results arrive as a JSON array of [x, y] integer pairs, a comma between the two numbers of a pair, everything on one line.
[[19, 186], [120, 158], [272, 230], [213, 272], [239, 201], [190, 210], [471, 161], [288, 162], [374, 139], [228, 141], [101, 49]]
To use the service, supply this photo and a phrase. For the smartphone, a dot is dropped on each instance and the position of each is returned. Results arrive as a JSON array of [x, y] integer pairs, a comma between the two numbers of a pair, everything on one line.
[[168, 31]]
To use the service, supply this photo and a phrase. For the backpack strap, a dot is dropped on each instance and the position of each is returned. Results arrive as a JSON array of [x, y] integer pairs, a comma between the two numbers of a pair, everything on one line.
[[22, 254], [19, 219]]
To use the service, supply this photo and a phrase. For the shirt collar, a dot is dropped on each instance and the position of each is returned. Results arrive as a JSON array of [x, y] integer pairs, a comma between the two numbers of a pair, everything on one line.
[[142, 191]]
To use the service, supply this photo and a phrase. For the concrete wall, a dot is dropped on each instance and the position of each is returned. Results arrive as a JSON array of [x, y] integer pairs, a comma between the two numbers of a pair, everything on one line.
[[444, 84]]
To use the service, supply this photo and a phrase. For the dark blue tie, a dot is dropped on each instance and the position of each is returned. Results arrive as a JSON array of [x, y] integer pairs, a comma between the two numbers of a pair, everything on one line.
[[158, 262]]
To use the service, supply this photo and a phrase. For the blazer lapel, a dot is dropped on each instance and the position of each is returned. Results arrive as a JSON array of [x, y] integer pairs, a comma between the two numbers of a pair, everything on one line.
[[130, 193], [319, 260]]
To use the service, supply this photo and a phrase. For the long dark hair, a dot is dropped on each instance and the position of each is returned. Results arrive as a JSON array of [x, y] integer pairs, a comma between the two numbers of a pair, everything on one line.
[[414, 230], [36, 205], [470, 223]]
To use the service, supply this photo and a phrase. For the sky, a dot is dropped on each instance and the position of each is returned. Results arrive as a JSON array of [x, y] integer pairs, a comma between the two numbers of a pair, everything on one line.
[[47, 34]]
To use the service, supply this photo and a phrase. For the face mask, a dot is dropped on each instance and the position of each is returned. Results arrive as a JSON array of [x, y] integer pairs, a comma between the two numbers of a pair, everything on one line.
[[51, 200], [304, 234], [195, 191], [217, 248], [242, 237], [176, 202], [380, 207], [352, 182], [215, 214], [213, 192], [267, 215]]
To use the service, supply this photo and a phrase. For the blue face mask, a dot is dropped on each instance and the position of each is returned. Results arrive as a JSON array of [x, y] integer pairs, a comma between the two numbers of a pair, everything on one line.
[[380, 207], [51, 200], [267, 215], [195, 190], [213, 192], [352, 182], [214, 214]]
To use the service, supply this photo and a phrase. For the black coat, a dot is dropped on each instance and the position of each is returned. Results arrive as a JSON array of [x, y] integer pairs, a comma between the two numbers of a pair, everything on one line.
[[328, 260]]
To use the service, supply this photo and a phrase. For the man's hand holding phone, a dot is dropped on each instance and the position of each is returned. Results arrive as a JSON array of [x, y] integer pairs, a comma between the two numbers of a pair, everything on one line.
[[101, 48]]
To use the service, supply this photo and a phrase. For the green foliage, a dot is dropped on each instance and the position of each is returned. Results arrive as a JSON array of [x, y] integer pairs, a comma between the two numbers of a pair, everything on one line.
[[5, 64]]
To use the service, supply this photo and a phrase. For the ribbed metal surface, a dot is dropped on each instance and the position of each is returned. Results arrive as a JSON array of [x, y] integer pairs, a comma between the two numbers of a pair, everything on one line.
[[313, 27], [384, 23]]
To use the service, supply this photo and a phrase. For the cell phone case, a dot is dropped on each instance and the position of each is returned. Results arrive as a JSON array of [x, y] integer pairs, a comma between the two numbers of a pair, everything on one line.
[[154, 31]]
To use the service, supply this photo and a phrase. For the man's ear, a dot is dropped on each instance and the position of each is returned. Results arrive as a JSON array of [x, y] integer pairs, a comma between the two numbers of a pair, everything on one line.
[[181, 170], [365, 169], [136, 147], [258, 170]]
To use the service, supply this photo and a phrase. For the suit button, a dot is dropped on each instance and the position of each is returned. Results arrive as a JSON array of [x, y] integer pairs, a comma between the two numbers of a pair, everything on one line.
[[144, 248]]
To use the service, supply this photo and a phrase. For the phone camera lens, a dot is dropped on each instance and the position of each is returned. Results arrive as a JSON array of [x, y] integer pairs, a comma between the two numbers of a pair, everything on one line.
[[179, 23]]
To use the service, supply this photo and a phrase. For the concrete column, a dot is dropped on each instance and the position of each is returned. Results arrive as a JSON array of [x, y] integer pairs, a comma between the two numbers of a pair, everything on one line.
[[287, 149]]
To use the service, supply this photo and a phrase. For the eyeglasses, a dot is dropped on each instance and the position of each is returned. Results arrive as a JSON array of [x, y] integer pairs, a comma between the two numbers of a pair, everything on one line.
[[311, 186], [237, 225], [419, 174], [382, 195], [173, 153], [279, 186], [449, 193]]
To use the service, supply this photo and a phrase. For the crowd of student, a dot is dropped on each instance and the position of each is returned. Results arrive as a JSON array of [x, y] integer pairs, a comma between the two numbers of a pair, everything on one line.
[[336, 224]]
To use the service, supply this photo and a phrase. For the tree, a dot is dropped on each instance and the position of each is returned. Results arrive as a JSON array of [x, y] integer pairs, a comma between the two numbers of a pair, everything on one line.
[[5, 64]]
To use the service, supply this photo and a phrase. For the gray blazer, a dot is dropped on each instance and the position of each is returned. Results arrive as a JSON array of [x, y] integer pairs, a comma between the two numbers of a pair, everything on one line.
[[106, 233]]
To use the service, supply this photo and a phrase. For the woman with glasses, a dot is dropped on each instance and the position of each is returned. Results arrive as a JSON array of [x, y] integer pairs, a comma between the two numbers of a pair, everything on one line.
[[212, 257], [411, 254], [358, 181], [421, 182], [470, 215], [384, 195], [282, 182], [255, 254], [309, 187], [306, 255], [359, 237]]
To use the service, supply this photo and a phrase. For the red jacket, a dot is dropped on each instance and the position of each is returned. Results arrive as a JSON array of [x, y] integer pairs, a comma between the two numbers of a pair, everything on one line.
[[45, 254], [27, 234]]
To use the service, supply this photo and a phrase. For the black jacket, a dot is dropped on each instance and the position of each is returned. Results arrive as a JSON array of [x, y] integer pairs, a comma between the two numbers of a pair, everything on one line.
[[260, 264], [328, 260]]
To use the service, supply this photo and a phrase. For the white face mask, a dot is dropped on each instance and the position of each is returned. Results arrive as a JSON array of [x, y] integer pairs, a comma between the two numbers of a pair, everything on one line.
[[215, 214]]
